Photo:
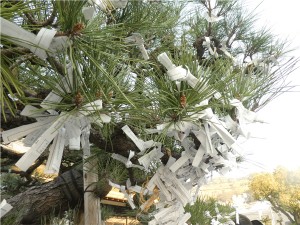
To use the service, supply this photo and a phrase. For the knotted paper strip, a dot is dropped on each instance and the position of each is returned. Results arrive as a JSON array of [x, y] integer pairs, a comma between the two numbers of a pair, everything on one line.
[[137, 39]]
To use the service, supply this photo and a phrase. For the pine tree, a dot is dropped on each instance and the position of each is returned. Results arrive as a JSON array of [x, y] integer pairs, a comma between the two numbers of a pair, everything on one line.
[[154, 94]]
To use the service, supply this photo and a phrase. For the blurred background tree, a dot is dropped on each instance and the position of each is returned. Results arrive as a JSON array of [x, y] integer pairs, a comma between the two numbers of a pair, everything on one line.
[[216, 40], [282, 189]]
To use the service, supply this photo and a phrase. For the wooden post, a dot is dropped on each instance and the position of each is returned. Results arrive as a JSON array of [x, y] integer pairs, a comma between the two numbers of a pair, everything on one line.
[[92, 210]]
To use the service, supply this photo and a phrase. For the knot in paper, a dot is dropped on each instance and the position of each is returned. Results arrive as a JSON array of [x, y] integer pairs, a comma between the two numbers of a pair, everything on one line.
[[178, 73], [42, 42]]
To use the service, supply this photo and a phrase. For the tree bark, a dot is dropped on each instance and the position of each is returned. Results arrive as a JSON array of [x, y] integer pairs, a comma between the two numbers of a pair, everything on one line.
[[52, 198]]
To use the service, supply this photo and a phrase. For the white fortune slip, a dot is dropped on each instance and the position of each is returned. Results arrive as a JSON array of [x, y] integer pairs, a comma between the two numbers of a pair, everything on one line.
[[73, 133], [56, 152], [177, 73], [179, 162], [91, 107], [207, 44], [153, 155], [4, 207], [41, 144], [218, 126], [38, 44], [199, 156], [88, 12], [125, 160], [138, 142], [212, 17], [33, 112], [19, 132], [138, 40], [106, 5]]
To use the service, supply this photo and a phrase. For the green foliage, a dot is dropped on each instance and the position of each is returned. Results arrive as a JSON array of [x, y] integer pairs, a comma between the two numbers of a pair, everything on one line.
[[206, 208], [11, 184], [249, 65]]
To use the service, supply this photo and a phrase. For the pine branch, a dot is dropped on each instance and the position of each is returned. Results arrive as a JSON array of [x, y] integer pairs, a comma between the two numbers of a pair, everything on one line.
[[14, 51], [45, 23]]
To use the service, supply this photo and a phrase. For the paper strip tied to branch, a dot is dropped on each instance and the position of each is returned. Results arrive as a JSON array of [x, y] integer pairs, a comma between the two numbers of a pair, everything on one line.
[[38, 44], [63, 129], [138, 40], [41, 144], [207, 44], [142, 146], [245, 117], [212, 17], [125, 160], [177, 73], [106, 5]]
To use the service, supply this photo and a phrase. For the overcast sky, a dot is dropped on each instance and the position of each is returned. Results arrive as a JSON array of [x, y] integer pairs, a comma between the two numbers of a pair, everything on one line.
[[280, 145]]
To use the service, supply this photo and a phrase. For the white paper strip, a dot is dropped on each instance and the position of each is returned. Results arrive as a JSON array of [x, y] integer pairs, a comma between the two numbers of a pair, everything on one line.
[[56, 153], [5, 208], [212, 18], [127, 196], [43, 41], [38, 44], [220, 129], [51, 99], [32, 137], [138, 142], [18, 132], [177, 73], [152, 182], [179, 162], [207, 44], [183, 219], [91, 107], [126, 161], [153, 155], [245, 113], [224, 49], [17, 34], [163, 189], [73, 131], [31, 111], [58, 44], [139, 41], [88, 12], [41, 144], [121, 4], [199, 155], [109, 4], [162, 213]]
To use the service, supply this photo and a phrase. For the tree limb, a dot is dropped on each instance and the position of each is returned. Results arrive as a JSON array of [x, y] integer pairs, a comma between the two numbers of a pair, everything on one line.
[[45, 23], [276, 207]]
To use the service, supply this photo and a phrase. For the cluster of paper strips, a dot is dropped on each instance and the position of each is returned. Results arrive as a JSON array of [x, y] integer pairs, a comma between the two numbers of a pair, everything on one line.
[[64, 129], [172, 185], [176, 181]]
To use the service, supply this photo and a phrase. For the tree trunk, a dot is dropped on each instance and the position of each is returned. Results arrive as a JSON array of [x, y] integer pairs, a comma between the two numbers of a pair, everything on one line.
[[52, 198]]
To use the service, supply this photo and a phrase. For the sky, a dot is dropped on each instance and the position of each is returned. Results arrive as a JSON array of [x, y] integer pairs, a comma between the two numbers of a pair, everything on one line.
[[279, 138]]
